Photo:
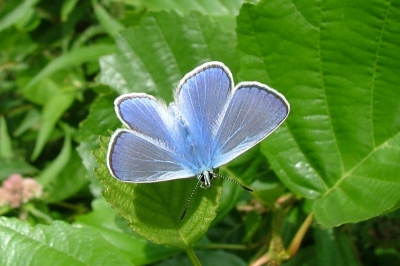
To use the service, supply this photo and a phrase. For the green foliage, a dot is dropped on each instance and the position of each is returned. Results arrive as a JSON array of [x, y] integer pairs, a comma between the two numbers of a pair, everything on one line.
[[340, 145], [163, 204], [62, 64], [43, 245]]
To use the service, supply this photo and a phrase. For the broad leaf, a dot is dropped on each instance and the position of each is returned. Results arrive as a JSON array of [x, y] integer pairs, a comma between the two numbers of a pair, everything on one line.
[[106, 221], [337, 64], [157, 54], [57, 244], [154, 210], [224, 11]]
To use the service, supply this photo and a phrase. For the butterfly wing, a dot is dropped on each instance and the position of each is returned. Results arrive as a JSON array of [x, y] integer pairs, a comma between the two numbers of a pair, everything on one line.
[[144, 114], [135, 158], [149, 151], [254, 112], [201, 98]]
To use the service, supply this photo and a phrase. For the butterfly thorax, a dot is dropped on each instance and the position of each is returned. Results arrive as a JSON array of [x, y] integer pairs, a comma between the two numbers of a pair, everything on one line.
[[205, 178]]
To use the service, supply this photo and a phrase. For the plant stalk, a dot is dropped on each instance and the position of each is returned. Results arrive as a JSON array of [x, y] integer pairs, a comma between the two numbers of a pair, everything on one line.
[[192, 256]]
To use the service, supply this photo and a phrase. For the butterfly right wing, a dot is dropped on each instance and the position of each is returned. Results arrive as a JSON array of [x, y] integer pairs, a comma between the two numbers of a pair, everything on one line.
[[135, 158], [254, 112]]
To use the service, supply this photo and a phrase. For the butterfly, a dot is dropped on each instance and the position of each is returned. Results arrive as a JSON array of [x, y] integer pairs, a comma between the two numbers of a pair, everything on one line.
[[209, 123]]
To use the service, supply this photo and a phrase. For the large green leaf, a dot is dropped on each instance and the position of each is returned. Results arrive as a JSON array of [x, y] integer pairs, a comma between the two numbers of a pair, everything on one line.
[[224, 11], [154, 210], [57, 244], [157, 54], [337, 63], [108, 223]]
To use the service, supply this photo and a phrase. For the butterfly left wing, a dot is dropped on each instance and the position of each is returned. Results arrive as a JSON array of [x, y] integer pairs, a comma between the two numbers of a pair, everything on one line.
[[133, 157], [254, 112]]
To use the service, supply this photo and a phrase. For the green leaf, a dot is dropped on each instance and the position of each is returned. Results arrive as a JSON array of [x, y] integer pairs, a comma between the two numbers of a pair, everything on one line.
[[334, 248], [6, 150], [17, 14], [209, 257], [154, 210], [224, 11], [31, 118], [66, 9], [105, 220], [101, 118], [252, 222], [207, 7], [15, 165], [111, 25], [76, 57], [57, 244], [52, 112], [52, 170], [154, 56], [337, 64]]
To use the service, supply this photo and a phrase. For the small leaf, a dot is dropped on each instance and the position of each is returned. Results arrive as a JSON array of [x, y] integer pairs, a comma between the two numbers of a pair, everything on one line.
[[110, 24], [6, 150], [17, 14], [154, 210], [31, 118], [69, 181], [52, 112], [101, 118], [52, 170], [66, 8], [76, 57], [57, 244], [15, 165]]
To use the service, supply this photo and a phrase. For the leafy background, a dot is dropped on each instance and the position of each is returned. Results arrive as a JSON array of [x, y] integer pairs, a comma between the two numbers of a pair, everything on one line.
[[326, 179]]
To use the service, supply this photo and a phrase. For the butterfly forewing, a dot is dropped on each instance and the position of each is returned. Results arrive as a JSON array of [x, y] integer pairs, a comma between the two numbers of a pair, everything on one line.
[[144, 114], [201, 99], [254, 112]]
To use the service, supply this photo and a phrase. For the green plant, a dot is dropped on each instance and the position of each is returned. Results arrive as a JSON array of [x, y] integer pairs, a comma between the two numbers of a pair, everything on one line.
[[319, 180]]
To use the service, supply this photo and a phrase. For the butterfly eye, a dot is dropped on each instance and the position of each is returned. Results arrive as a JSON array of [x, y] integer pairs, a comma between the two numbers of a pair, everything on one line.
[[202, 178], [212, 175]]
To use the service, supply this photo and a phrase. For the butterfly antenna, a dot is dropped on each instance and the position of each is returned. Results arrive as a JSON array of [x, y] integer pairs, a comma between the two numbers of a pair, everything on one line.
[[235, 182], [190, 198]]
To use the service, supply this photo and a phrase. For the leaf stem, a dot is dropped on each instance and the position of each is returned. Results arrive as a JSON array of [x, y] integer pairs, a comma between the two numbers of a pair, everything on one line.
[[192, 256], [35, 212], [223, 246], [296, 241]]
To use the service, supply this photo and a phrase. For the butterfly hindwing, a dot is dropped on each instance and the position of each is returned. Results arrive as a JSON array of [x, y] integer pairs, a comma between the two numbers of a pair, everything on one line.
[[133, 157]]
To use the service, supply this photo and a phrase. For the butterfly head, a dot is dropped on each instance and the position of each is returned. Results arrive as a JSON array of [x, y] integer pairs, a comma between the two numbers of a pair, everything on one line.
[[205, 178]]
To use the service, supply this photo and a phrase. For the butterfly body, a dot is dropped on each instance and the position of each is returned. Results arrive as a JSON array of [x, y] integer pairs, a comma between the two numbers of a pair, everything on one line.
[[210, 123]]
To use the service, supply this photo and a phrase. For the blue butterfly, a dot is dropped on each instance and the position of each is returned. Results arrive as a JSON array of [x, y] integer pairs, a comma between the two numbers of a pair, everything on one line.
[[210, 123]]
